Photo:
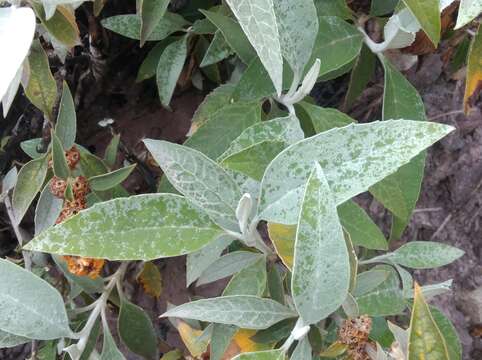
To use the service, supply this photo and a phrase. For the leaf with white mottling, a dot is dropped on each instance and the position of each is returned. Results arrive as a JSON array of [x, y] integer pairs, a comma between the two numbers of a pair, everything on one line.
[[200, 260], [169, 68], [245, 311], [21, 22], [200, 179], [262, 355], [151, 12], [324, 119], [29, 182], [142, 227], [258, 20], [218, 50], [297, 26], [108, 181], [449, 333], [29, 306], [285, 129], [302, 350], [130, 25], [228, 265], [353, 158], [48, 210], [468, 11], [369, 280], [320, 283], [421, 255]]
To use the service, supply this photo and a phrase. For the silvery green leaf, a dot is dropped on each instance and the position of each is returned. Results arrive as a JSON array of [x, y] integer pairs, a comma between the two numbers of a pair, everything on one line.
[[109, 347], [142, 227], [385, 299], [151, 13], [12, 90], [432, 290], [297, 25], [427, 13], [449, 333], [336, 44], [262, 355], [258, 20], [400, 335], [468, 11], [369, 280], [249, 281], [200, 179], [218, 50], [353, 158], [350, 306], [324, 119], [66, 126], [319, 284], [285, 129], [228, 265], [220, 339], [108, 181], [60, 166], [30, 147], [245, 311], [169, 68], [30, 307], [51, 5], [130, 26], [21, 22], [233, 34], [9, 180], [8, 340], [421, 255], [198, 261], [48, 209], [253, 160], [29, 182], [302, 350]]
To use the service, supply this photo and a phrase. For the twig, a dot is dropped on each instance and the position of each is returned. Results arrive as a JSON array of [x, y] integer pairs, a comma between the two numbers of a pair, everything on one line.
[[455, 112]]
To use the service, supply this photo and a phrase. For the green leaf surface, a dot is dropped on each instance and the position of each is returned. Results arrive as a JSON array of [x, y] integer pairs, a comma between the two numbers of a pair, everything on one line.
[[32, 308], [200, 179], [108, 181], [130, 26], [249, 281], [8, 340], [333, 8], [169, 68], [148, 67], [233, 34], [324, 119], [60, 166], [151, 13], [30, 147], [382, 7], [62, 25], [136, 330], [221, 337], [223, 127], [319, 283], [66, 126], [29, 182], [297, 26], [424, 255], [353, 158], [275, 285], [262, 355], [258, 21], [361, 74], [363, 231], [286, 129], [427, 13], [449, 333], [214, 102], [142, 227], [254, 83], [385, 299], [48, 209], [110, 155], [336, 44], [369, 280], [275, 333], [425, 340], [42, 88], [302, 350], [228, 265], [245, 311], [468, 11], [198, 261], [109, 347], [218, 50]]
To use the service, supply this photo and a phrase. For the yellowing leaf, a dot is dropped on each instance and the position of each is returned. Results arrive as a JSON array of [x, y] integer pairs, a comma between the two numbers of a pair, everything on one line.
[[334, 350], [150, 279], [473, 85], [283, 238], [191, 338], [425, 340], [242, 343]]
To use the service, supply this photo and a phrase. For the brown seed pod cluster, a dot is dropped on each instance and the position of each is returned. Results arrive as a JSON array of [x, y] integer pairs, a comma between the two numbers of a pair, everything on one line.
[[354, 333], [72, 156]]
